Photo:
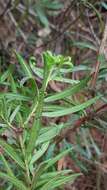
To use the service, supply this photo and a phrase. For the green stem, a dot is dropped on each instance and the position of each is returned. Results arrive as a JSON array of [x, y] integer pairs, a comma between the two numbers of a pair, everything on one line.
[[25, 160], [37, 121]]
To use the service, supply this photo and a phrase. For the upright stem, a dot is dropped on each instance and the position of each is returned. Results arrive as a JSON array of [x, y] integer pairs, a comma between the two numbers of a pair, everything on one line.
[[37, 121], [25, 160]]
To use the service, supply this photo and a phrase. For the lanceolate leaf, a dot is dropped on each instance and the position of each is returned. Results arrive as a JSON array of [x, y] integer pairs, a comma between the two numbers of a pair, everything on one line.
[[40, 152], [85, 45], [24, 65], [17, 183], [5, 162], [52, 174], [13, 96], [15, 112], [68, 92], [71, 110], [58, 181], [52, 161], [38, 174], [11, 152], [50, 134]]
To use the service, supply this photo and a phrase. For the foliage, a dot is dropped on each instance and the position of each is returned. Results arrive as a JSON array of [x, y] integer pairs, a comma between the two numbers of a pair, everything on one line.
[[40, 9], [25, 142]]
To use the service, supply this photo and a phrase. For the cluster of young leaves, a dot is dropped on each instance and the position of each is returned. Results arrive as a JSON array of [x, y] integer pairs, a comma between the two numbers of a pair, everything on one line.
[[23, 154]]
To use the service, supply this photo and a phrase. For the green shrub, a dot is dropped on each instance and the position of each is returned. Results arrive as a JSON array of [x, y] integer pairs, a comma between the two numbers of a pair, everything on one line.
[[24, 141]]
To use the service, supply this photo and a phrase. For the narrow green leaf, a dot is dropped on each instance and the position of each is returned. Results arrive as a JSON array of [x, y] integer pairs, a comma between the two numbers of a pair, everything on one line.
[[4, 76], [51, 133], [37, 71], [52, 174], [85, 139], [65, 80], [16, 111], [71, 110], [97, 149], [37, 121], [38, 174], [32, 83], [13, 115], [17, 183], [85, 45], [81, 68], [59, 181], [46, 177], [40, 152], [68, 92], [97, 13], [33, 136], [42, 16], [52, 161], [55, 5], [13, 84], [104, 4], [9, 171], [11, 152], [24, 65], [14, 96], [32, 110]]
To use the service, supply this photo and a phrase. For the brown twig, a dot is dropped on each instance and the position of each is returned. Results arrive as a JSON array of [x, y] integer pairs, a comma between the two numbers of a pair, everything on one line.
[[100, 53]]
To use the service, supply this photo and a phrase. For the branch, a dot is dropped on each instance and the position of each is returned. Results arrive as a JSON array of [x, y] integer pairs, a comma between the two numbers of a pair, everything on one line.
[[100, 52]]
